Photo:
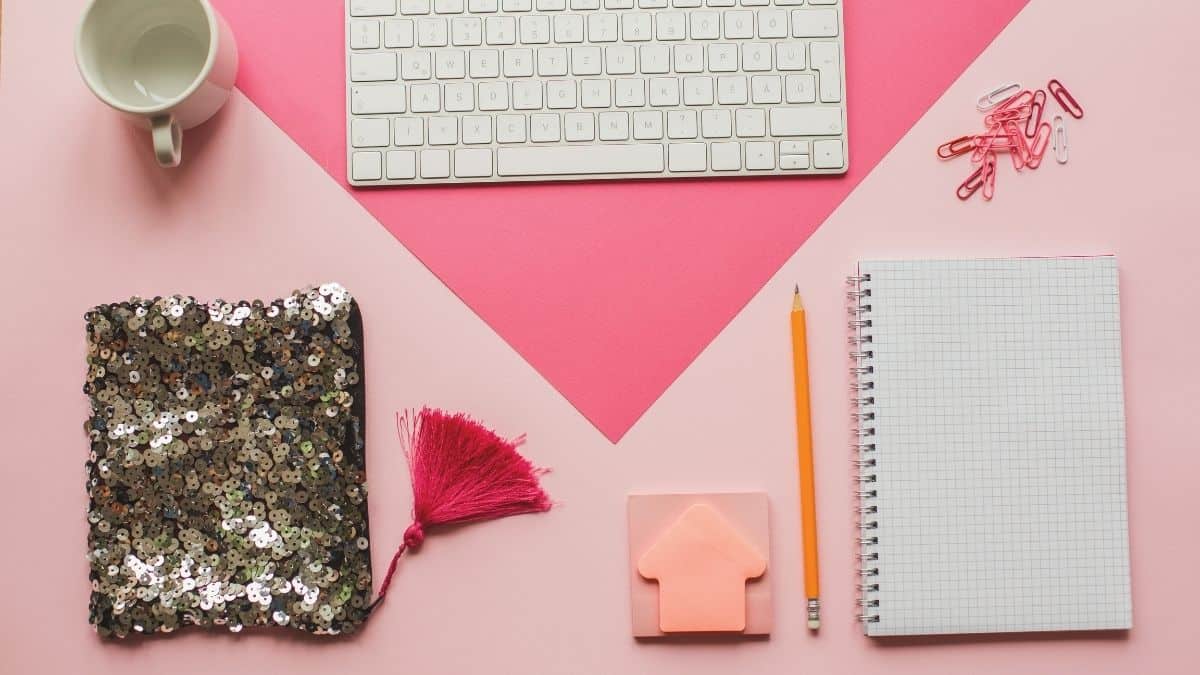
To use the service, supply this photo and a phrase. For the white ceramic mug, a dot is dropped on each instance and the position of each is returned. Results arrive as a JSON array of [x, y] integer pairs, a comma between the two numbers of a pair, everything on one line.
[[167, 64]]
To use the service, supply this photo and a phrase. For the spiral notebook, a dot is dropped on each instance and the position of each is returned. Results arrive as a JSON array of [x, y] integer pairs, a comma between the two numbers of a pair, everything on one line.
[[991, 446]]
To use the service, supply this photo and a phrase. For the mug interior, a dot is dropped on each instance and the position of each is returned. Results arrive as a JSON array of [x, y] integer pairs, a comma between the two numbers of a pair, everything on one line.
[[144, 55]]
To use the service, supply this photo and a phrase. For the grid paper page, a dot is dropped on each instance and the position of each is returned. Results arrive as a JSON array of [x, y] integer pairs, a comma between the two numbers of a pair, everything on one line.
[[1000, 446]]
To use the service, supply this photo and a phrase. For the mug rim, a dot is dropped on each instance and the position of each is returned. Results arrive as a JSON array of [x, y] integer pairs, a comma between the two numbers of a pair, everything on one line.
[[214, 35]]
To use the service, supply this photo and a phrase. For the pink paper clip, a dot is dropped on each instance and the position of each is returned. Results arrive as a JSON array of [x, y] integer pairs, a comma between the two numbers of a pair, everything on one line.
[[1039, 145], [984, 143], [971, 185], [956, 147], [1019, 149], [989, 176], [1065, 99], [1036, 109], [1024, 98]]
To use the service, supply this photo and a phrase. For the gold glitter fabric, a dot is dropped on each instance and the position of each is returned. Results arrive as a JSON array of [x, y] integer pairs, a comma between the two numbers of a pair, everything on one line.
[[227, 467]]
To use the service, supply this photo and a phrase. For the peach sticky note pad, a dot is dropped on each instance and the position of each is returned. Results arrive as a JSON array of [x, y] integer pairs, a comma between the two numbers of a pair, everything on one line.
[[698, 563]]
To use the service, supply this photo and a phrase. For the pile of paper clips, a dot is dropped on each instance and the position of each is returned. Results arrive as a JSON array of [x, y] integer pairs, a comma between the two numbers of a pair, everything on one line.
[[1013, 117]]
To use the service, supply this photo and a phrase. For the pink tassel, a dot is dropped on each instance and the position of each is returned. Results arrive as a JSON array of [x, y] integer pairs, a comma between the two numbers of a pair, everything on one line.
[[461, 472]]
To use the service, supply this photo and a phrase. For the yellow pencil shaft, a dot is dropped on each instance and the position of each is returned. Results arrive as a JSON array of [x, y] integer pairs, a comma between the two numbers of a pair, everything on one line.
[[804, 445]]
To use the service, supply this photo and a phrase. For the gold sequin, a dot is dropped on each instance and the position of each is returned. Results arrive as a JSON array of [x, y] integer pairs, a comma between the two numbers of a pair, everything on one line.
[[227, 472]]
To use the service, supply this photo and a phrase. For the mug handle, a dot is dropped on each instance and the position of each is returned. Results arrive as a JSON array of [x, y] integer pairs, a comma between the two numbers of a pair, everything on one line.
[[168, 140]]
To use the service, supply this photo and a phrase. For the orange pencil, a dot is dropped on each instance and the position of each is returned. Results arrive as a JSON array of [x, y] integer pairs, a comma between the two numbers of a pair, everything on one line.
[[804, 448]]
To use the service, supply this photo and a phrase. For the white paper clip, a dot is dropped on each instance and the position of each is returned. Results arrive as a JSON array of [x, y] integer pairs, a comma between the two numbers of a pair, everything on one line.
[[997, 96], [1061, 154]]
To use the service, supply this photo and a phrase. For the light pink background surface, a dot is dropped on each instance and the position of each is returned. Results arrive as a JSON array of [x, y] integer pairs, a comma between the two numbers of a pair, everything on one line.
[[611, 290], [87, 218]]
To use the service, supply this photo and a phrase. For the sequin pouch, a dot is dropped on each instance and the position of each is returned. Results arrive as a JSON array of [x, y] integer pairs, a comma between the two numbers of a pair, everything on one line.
[[227, 472]]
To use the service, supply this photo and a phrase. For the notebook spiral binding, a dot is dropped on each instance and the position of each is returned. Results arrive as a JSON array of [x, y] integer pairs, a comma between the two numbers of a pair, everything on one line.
[[862, 399]]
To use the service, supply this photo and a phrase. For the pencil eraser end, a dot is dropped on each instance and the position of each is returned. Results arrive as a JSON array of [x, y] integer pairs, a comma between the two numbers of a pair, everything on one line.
[[814, 624]]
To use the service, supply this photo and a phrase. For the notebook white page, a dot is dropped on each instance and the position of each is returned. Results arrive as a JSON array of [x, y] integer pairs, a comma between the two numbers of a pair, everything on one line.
[[999, 446]]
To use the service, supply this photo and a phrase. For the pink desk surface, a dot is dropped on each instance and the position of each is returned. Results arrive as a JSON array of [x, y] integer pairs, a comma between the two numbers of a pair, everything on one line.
[[86, 218]]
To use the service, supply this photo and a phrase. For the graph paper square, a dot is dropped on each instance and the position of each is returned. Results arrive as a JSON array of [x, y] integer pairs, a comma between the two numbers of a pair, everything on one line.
[[999, 447]]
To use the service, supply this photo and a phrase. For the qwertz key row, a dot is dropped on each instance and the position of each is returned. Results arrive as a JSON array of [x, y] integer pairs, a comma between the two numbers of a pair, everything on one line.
[[450, 91]]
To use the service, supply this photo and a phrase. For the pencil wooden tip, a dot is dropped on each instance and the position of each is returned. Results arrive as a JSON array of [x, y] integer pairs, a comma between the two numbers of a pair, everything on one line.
[[797, 303]]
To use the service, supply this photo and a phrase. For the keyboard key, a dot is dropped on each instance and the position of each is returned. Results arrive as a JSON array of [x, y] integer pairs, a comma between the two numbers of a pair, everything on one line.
[[483, 6], [408, 131], [827, 61], [398, 33], [425, 98], [568, 28], [560, 94], [681, 124], [587, 61], [370, 133], [414, 7], [466, 31], [510, 129], [801, 88], [656, 59], [750, 123], [814, 23], [827, 154], [473, 163], [476, 129], [543, 128], [766, 89], [527, 95], [460, 97], [697, 91], [435, 164], [756, 56], [585, 4], [448, 6], [415, 65], [722, 57], [726, 156], [738, 25], [535, 29], [518, 62], [450, 64], [500, 30], [648, 125], [620, 60], [687, 156], [705, 26], [670, 26], [602, 27], [580, 126], [372, 67], [551, 5], [517, 5], [552, 61], [806, 121], [760, 155], [664, 91], [432, 33], [364, 35], [377, 99], [618, 4], [595, 93], [716, 124], [484, 63], [689, 58], [493, 96], [793, 147], [579, 160], [731, 90], [401, 164], [614, 126], [636, 27], [630, 92], [367, 166], [789, 56], [793, 161], [443, 130], [772, 23], [372, 7]]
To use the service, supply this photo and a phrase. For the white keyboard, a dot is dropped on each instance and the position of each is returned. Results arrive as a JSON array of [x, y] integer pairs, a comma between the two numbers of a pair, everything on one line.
[[479, 91]]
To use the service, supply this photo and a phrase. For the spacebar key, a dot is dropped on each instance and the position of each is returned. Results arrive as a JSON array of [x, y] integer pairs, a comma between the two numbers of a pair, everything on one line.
[[582, 160]]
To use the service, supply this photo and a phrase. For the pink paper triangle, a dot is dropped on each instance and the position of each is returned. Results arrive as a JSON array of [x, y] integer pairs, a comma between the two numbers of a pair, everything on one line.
[[610, 290]]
